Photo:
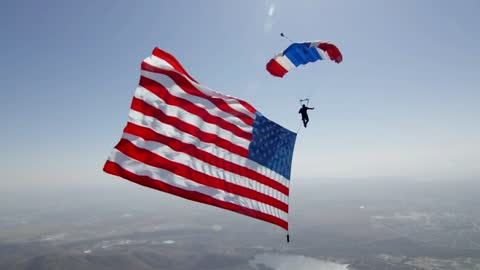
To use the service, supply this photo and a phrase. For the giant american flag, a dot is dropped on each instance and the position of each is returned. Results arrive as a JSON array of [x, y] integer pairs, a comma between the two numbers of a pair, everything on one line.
[[190, 141]]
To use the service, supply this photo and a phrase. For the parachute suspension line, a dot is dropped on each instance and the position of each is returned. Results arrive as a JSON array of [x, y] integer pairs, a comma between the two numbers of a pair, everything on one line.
[[281, 34], [303, 100], [309, 95]]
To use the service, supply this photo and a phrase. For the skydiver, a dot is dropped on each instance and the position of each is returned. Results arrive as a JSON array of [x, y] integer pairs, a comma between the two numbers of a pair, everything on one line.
[[303, 111]]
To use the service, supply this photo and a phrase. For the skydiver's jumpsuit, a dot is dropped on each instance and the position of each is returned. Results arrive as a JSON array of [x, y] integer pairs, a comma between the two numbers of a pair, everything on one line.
[[303, 111]]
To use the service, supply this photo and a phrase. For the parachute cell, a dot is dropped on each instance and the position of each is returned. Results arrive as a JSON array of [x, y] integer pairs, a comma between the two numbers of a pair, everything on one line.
[[303, 53]]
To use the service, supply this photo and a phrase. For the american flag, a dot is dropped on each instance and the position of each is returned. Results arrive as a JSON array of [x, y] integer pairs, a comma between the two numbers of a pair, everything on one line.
[[190, 141]]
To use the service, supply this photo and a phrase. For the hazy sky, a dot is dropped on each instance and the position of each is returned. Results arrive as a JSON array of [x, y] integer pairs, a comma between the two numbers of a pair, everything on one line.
[[404, 103]]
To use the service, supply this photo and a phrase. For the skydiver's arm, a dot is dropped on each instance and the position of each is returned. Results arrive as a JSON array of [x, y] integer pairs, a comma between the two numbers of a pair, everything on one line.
[[310, 108]]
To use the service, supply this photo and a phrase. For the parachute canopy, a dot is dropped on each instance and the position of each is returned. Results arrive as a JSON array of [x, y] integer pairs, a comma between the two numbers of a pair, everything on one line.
[[303, 53]]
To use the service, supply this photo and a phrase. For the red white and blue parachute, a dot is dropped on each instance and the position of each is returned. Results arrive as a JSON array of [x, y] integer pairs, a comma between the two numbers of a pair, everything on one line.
[[303, 53]]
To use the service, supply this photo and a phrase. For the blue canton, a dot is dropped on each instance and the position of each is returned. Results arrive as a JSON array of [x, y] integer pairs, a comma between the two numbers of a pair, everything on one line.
[[272, 145]]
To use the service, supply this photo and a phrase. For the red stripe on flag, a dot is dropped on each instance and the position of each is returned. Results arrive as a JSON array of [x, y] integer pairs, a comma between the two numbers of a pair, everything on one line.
[[247, 106], [189, 88], [189, 149], [146, 109], [152, 159], [115, 169], [160, 91], [176, 65], [172, 61]]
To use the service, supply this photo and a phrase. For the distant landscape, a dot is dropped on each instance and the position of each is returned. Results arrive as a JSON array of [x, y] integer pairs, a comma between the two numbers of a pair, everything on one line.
[[334, 224]]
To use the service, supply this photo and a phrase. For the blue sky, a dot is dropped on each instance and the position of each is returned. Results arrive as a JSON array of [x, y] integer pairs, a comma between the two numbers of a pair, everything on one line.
[[404, 103]]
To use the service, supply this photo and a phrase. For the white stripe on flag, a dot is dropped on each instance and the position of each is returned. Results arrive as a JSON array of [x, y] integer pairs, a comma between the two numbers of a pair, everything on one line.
[[200, 166], [142, 169], [157, 102], [157, 125], [140, 119], [232, 101], [175, 90]]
